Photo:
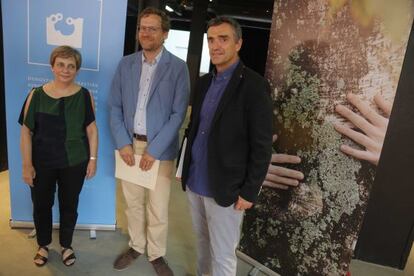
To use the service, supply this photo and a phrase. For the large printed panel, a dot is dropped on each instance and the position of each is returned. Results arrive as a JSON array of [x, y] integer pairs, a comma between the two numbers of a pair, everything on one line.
[[31, 29], [319, 52]]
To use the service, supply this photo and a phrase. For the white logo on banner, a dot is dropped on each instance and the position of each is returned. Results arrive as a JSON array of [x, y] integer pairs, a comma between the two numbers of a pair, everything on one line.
[[55, 37], [51, 23]]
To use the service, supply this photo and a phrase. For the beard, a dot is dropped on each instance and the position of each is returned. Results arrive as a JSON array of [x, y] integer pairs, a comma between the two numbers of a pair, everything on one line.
[[151, 45]]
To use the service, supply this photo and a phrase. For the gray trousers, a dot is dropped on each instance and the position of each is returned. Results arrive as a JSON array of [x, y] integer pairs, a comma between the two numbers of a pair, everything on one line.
[[218, 232]]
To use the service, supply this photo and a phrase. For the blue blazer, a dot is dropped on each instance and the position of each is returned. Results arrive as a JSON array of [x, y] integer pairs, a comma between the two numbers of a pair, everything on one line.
[[166, 107]]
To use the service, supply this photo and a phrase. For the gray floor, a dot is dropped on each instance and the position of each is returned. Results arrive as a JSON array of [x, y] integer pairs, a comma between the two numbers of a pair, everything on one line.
[[95, 257]]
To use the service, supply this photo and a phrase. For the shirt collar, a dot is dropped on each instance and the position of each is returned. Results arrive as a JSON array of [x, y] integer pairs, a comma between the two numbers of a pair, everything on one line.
[[226, 73], [156, 60]]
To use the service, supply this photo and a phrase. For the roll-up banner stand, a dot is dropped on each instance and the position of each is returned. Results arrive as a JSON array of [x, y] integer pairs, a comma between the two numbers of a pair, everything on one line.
[[31, 29]]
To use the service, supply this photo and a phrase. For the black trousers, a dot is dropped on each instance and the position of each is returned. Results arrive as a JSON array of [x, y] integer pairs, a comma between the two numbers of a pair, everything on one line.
[[69, 181]]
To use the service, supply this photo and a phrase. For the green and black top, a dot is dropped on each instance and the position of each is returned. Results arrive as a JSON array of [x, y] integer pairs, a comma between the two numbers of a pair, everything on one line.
[[58, 126]]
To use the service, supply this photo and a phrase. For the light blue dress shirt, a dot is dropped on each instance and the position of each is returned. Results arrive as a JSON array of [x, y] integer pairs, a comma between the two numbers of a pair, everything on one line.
[[147, 76]]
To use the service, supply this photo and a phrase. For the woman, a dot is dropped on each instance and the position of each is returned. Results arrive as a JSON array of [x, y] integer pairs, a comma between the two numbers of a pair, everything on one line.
[[59, 141]]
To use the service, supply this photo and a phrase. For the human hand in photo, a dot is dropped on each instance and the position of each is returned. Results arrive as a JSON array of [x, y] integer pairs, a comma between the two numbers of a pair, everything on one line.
[[242, 204], [127, 154], [280, 177], [373, 127], [146, 161]]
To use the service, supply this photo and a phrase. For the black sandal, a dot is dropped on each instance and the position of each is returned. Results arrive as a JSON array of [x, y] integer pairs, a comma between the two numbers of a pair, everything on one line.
[[40, 257], [70, 257]]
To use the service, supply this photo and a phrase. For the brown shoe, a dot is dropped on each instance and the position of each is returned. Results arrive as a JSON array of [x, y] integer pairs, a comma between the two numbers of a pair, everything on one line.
[[125, 259], [161, 267]]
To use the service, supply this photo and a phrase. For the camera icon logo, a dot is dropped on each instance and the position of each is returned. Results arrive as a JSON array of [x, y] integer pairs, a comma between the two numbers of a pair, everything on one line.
[[56, 38]]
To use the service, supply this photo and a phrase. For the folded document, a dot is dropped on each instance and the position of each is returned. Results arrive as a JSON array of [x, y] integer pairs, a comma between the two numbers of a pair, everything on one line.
[[134, 174]]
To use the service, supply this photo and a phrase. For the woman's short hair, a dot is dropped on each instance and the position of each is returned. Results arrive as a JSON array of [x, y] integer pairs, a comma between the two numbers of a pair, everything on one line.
[[66, 52]]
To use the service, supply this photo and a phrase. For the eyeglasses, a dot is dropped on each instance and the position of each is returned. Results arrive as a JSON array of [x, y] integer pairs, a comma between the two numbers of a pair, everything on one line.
[[151, 30]]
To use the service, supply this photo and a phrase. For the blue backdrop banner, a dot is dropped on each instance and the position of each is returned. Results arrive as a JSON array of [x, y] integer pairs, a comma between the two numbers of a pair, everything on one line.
[[31, 29]]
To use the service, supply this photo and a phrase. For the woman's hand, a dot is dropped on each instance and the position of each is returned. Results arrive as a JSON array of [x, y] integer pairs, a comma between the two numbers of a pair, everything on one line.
[[29, 174], [91, 169]]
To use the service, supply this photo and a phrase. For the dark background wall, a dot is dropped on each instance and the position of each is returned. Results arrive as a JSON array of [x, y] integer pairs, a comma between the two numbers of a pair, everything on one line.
[[254, 49], [253, 52]]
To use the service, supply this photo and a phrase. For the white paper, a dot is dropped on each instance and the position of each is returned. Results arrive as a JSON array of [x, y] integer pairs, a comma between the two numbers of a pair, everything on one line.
[[134, 174], [181, 160]]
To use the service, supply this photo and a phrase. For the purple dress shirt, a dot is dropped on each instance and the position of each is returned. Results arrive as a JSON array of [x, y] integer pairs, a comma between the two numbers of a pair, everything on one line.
[[198, 175]]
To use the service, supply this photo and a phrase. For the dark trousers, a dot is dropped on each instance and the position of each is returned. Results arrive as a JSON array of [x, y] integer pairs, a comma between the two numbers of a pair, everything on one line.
[[69, 182]]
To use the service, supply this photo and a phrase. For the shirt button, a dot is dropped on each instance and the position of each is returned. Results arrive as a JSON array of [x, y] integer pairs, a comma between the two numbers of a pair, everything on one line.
[[202, 132]]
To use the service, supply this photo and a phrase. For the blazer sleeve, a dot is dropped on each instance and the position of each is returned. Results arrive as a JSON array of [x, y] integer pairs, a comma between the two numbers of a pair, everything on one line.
[[259, 117], [116, 112]]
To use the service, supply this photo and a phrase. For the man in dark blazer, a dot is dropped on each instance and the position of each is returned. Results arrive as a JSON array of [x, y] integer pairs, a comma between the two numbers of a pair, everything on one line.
[[229, 144]]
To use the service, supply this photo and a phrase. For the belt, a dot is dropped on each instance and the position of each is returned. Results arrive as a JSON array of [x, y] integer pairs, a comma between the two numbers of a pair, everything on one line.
[[140, 137]]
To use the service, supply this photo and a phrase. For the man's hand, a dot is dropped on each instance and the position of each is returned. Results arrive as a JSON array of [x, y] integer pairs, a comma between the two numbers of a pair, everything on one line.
[[146, 161], [127, 154], [280, 177], [29, 174], [242, 204], [373, 127]]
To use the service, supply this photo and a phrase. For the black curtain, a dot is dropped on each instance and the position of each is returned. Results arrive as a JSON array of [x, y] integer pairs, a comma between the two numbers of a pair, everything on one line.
[[254, 49]]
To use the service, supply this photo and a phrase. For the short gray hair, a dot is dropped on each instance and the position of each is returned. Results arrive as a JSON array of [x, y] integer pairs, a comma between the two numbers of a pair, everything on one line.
[[225, 19]]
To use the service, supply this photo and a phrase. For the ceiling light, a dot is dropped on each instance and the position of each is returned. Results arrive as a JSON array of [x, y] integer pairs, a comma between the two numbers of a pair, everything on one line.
[[168, 8]]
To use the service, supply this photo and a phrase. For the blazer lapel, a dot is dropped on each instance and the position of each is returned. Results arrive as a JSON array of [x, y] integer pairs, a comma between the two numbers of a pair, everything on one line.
[[136, 76], [203, 91], [159, 72], [230, 89]]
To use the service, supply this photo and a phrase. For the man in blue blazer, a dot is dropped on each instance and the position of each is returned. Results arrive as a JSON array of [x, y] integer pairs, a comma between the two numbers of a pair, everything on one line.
[[148, 102]]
